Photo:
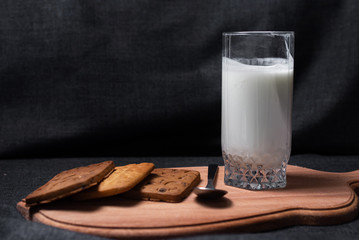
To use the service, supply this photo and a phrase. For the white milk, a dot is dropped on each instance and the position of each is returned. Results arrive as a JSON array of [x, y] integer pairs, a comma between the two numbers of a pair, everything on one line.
[[256, 112]]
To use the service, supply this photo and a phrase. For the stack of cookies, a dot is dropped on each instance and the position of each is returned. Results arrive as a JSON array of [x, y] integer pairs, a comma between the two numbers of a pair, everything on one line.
[[136, 181]]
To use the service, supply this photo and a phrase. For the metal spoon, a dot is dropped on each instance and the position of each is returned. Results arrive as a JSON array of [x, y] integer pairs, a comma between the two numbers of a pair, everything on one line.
[[209, 191]]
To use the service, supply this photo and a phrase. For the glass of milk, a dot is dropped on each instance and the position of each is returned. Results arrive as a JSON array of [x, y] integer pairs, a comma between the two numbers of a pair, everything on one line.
[[257, 89]]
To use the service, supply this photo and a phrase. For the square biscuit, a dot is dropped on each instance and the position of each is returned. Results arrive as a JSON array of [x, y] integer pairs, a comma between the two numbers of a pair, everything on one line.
[[70, 182], [165, 184]]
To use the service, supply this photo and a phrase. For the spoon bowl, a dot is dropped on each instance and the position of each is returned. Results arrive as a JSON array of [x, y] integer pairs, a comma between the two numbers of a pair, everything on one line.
[[203, 192], [210, 192]]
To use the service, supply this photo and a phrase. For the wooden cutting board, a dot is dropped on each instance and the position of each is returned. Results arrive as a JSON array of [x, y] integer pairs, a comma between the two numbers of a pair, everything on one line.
[[310, 198]]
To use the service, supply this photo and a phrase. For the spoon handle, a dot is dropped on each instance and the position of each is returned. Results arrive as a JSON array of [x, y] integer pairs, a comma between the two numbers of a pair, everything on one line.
[[212, 171]]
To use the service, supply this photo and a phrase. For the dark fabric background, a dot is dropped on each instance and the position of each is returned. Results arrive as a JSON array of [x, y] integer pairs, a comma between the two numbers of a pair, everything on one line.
[[137, 78]]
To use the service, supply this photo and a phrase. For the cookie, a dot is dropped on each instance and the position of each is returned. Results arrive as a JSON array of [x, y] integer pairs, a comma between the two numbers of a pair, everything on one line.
[[70, 182], [164, 184], [119, 181]]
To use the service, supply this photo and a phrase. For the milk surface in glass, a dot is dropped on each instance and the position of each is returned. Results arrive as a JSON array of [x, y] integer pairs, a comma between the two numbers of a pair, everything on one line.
[[256, 118]]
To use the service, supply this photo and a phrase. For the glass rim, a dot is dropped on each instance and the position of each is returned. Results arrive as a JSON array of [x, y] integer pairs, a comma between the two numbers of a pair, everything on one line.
[[262, 33]]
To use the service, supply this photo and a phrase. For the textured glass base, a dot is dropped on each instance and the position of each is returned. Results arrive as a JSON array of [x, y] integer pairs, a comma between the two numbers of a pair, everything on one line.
[[251, 176]]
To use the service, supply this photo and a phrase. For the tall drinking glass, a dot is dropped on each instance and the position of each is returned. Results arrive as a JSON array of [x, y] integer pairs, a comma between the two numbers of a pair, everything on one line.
[[257, 89]]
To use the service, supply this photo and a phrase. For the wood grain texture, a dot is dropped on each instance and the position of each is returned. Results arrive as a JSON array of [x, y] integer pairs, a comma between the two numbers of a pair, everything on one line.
[[310, 198]]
